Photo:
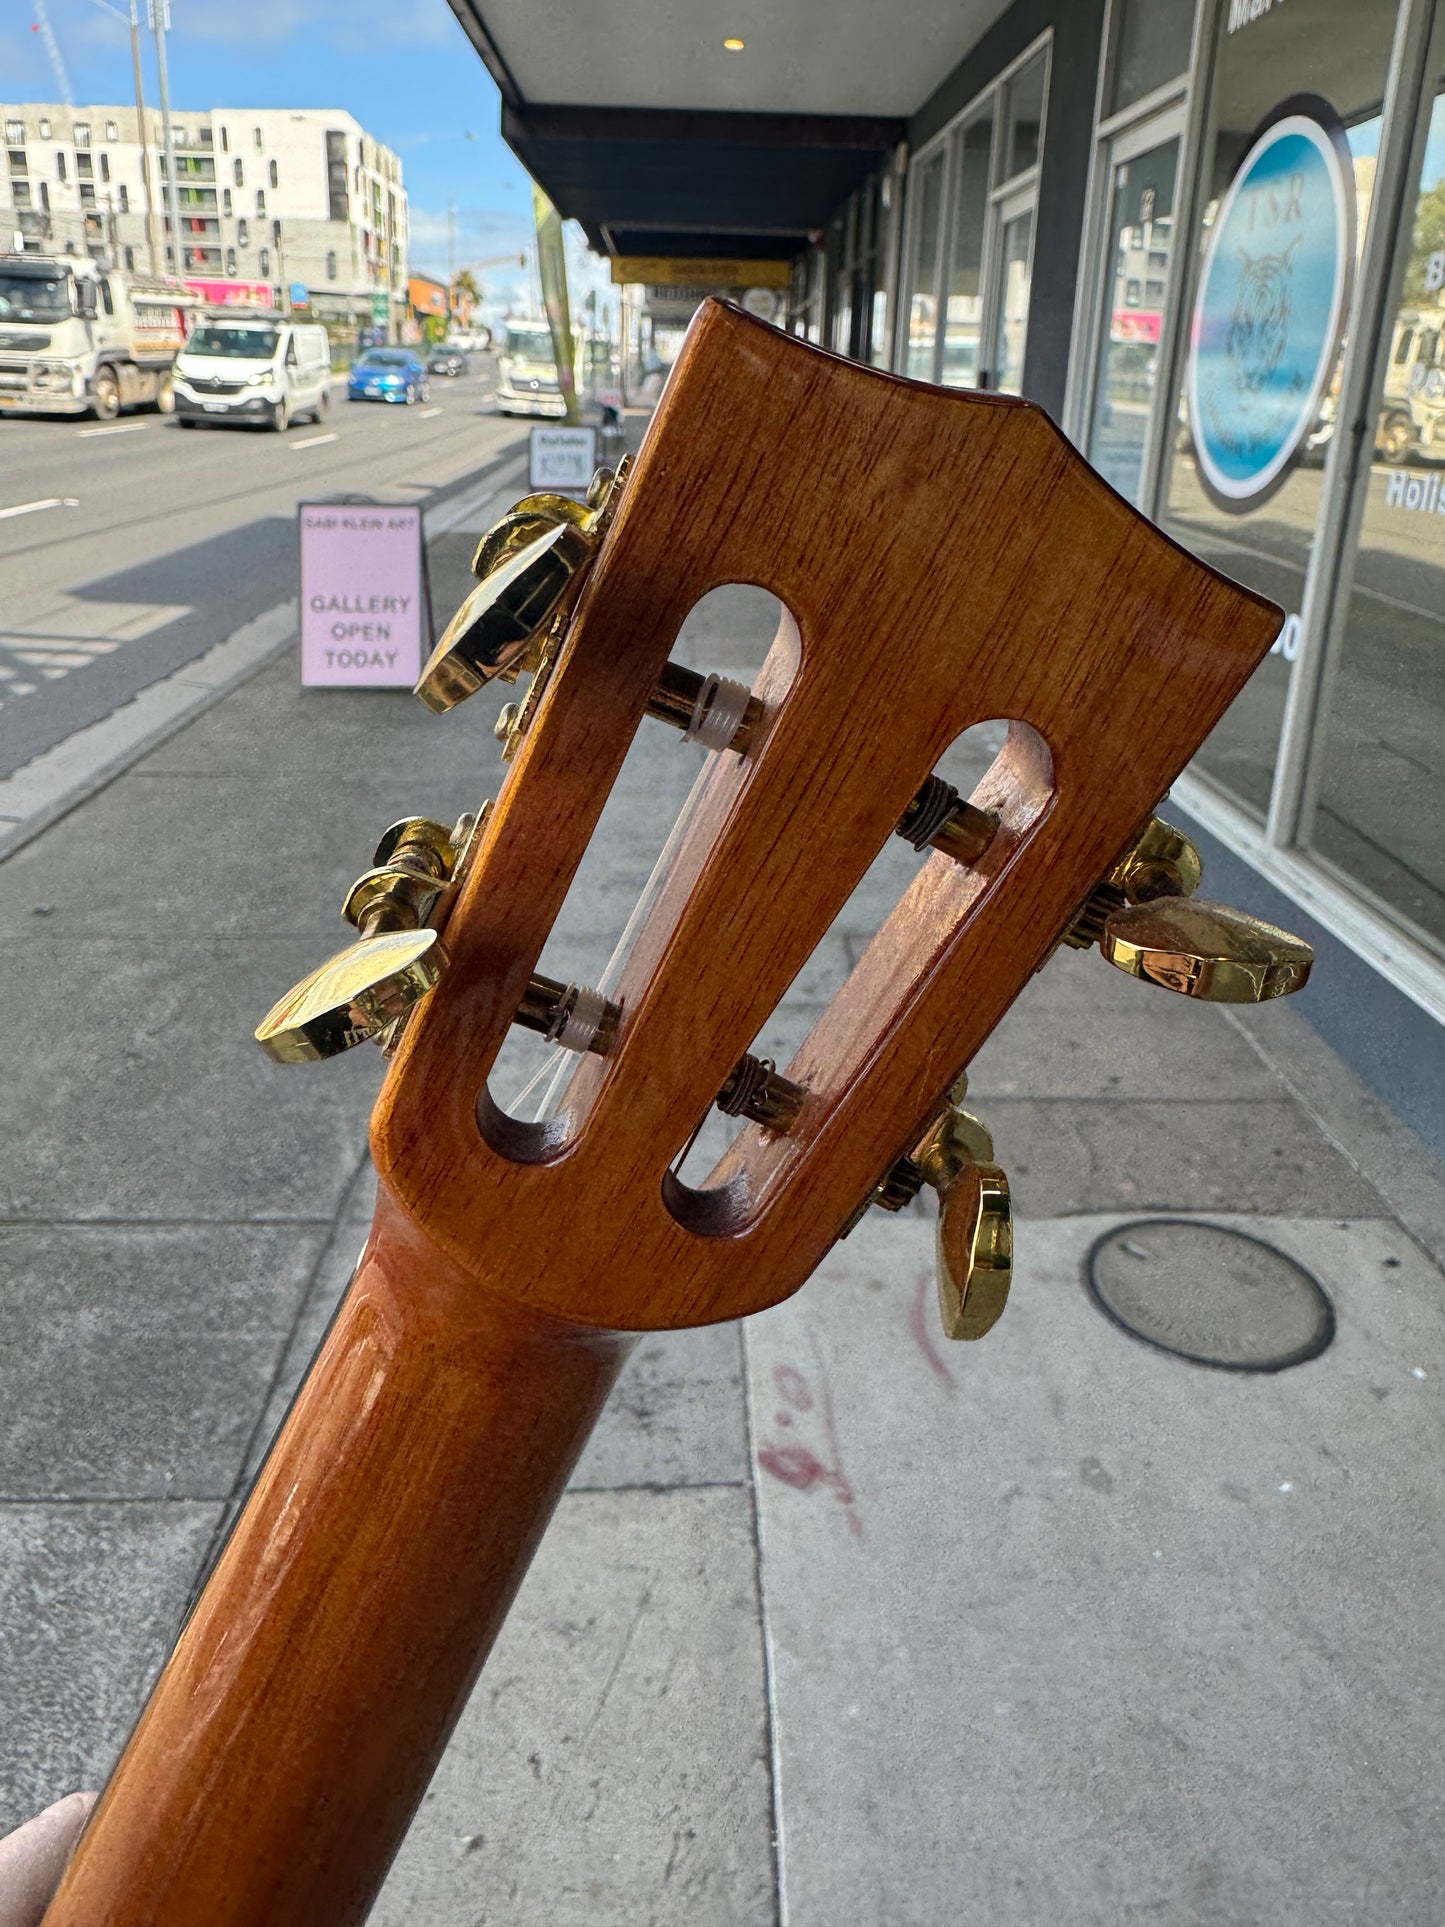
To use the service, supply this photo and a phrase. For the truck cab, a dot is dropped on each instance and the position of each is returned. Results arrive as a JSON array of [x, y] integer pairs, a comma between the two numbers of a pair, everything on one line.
[[527, 371], [79, 338]]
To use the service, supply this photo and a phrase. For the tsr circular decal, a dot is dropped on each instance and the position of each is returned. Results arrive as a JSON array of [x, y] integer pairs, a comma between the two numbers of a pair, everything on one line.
[[1271, 304]]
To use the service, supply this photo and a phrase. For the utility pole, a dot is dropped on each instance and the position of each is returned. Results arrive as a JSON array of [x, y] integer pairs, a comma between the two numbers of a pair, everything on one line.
[[451, 256], [160, 19], [140, 116]]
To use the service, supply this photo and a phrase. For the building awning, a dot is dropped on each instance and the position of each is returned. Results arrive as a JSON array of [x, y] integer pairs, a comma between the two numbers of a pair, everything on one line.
[[643, 125]]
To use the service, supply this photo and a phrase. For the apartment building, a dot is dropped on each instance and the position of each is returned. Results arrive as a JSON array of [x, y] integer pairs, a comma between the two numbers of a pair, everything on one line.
[[297, 205]]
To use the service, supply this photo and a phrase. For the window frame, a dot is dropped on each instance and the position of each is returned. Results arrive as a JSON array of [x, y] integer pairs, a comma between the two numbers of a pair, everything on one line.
[[1275, 848], [1013, 189]]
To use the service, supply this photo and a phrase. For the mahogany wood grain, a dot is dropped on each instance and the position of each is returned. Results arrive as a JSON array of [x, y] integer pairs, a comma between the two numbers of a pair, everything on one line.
[[945, 558]]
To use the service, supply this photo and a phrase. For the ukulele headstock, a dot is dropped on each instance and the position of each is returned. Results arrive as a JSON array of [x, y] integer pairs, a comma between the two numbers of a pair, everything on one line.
[[946, 558]]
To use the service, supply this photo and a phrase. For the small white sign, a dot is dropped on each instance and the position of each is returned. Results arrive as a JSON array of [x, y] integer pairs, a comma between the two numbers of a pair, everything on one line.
[[563, 457]]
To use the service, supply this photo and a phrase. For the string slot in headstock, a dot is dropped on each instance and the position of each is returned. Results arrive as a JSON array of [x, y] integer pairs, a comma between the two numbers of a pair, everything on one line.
[[1050, 602]]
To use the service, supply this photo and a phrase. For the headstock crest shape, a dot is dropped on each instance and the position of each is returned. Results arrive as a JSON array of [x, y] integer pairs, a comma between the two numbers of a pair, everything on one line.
[[945, 558]]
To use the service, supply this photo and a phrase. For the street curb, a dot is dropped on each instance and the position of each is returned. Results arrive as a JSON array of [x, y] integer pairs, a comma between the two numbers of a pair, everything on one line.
[[61, 778]]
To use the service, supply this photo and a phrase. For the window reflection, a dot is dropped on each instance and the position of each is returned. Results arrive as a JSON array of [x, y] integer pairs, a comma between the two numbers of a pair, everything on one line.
[[964, 320], [1014, 303], [1380, 791], [923, 305], [1141, 237], [1025, 123], [1337, 50]]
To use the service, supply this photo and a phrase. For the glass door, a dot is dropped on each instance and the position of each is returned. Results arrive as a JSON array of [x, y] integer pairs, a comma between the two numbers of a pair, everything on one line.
[[1143, 171], [1010, 317]]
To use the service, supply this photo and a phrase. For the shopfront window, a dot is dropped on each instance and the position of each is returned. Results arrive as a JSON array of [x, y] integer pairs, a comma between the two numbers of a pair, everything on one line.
[[1140, 243], [923, 276], [1288, 172], [1379, 789], [972, 198], [1024, 123], [1152, 48], [963, 325], [1013, 314]]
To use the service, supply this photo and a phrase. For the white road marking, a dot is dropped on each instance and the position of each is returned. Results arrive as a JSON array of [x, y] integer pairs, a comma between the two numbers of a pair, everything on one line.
[[314, 441], [50, 502], [122, 428], [427, 413]]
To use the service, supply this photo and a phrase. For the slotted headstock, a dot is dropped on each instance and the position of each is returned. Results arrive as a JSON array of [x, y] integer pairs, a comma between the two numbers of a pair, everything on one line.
[[944, 559]]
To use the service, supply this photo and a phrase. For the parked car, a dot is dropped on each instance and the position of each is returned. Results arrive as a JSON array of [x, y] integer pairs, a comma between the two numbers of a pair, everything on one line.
[[447, 361], [270, 372], [472, 341], [388, 374]]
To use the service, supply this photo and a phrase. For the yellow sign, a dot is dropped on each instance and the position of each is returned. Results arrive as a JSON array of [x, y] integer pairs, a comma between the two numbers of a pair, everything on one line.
[[683, 271]]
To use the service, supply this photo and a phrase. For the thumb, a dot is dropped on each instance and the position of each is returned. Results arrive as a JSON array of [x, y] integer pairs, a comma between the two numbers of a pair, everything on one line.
[[33, 1858]]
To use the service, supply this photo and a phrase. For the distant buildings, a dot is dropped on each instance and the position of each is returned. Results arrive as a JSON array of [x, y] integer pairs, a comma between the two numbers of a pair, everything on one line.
[[271, 201]]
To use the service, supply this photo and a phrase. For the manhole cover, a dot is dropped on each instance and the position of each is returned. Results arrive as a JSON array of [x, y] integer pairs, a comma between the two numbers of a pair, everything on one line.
[[1205, 1293]]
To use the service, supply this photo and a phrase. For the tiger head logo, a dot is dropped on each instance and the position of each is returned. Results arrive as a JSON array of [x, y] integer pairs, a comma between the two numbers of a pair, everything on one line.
[[1259, 326]]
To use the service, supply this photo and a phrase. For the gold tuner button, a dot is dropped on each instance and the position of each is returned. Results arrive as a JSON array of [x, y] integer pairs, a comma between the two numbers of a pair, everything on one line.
[[975, 1251], [354, 996], [1204, 950], [505, 616]]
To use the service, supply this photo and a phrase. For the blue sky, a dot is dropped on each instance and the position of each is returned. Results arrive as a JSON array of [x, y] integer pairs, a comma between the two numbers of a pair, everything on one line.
[[402, 67]]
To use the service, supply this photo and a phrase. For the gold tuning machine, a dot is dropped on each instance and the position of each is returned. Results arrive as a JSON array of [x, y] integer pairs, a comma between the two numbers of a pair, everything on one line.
[[1147, 922], [975, 1215], [367, 992], [1205, 950], [529, 569], [354, 997]]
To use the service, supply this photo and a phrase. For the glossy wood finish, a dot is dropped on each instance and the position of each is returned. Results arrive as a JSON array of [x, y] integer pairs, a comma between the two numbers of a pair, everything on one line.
[[292, 1735], [948, 558]]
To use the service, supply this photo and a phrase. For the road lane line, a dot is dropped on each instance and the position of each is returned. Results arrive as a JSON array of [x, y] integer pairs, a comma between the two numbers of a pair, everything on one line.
[[50, 502], [427, 413], [314, 441], [122, 428]]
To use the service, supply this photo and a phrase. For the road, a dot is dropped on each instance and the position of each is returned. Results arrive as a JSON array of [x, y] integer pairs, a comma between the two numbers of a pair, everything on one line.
[[128, 549]]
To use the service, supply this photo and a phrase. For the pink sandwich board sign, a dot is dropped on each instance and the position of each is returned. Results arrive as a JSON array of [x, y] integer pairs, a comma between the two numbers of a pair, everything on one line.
[[365, 612]]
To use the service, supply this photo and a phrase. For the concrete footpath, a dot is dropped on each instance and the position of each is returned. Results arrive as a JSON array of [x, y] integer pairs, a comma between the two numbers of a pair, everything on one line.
[[839, 1625]]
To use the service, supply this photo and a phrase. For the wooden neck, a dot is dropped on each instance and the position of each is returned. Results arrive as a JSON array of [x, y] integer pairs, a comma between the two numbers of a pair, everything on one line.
[[290, 1738]]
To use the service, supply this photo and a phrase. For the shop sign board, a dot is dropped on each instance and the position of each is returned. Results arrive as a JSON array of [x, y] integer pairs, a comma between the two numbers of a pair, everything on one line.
[[380, 308], [562, 458], [363, 595], [1272, 298]]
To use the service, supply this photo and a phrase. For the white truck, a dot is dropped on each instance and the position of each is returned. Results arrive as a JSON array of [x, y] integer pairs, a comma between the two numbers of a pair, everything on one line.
[[79, 338]]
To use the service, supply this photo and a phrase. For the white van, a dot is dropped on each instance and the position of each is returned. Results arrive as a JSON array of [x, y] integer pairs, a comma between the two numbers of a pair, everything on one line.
[[253, 369]]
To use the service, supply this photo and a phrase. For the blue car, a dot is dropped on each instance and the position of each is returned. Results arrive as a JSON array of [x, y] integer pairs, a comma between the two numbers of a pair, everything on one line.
[[388, 374]]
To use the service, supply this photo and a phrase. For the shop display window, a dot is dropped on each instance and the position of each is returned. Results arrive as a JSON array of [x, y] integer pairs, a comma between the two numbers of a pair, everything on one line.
[[963, 320], [972, 195], [923, 268], [1139, 245], [1377, 795], [1288, 172], [1151, 50]]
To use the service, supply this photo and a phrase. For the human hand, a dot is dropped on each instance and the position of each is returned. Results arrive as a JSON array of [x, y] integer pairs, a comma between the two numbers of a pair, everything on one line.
[[33, 1858]]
